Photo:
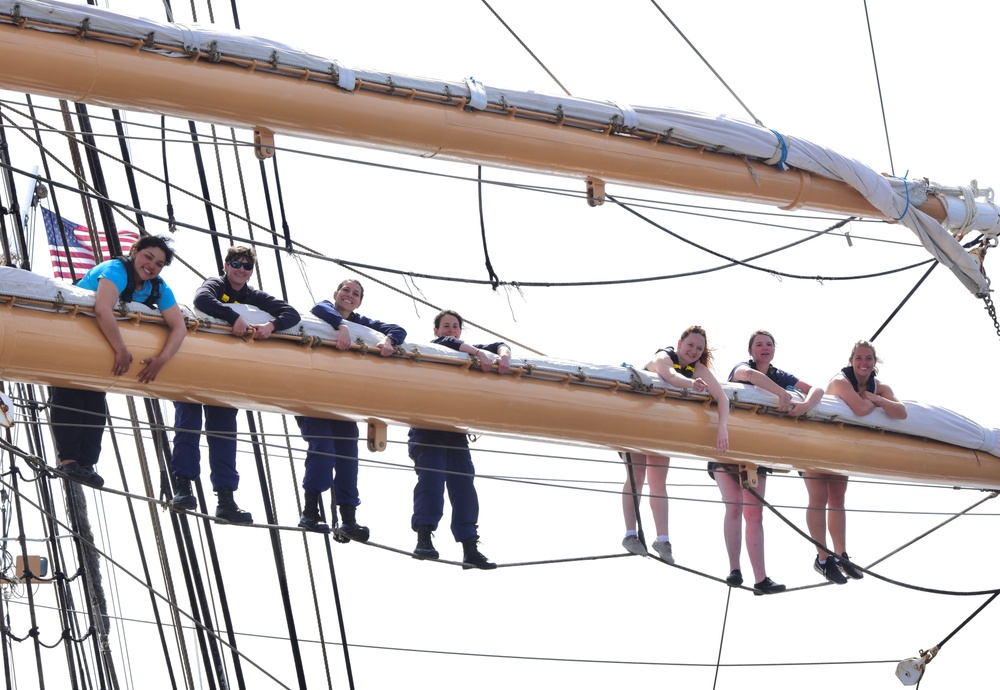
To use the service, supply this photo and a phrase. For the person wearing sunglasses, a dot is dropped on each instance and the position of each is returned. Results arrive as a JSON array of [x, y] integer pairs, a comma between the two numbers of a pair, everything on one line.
[[216, 297]]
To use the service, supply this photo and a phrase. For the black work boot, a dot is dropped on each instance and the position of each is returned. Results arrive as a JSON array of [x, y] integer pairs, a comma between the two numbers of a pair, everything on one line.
[[349, 529], [425, 549], [311, 519], [229, 511], [183, 497], [473, 558]]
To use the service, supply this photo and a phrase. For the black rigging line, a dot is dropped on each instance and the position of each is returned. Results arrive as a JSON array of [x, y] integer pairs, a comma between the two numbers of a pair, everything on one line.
[[48, 174], [878, 83], [914, 289], [97, 177], [702, 58], [129, 168], [637, 202], [279, 560], [745, 264], [867, 570], [14, 210], [494, 278], [525, 46], [171, 224], [904, 301], [203, 179], [140, 451], [50, 515], [636, 494], [273, 231], [340, 610]]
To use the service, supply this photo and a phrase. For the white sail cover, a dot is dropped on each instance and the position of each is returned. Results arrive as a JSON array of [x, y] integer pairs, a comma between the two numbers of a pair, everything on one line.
[[687, 128]]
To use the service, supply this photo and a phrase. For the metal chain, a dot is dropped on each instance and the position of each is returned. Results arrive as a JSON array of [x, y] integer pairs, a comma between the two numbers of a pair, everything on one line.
[[992, 311]]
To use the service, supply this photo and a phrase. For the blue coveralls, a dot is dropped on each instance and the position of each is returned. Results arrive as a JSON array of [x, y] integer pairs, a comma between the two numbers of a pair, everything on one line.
[[333, 443], [443, 461], [214, 297]]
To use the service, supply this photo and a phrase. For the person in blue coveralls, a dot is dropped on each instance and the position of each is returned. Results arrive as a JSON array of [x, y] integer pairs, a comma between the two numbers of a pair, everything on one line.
[[78, 416], [443, 460], [687, 368], [215, 297], [741, 504], [333, 443], [857, 386]]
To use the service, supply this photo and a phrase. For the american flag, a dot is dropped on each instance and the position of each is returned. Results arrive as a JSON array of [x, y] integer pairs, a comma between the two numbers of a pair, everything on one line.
[[80, 248]]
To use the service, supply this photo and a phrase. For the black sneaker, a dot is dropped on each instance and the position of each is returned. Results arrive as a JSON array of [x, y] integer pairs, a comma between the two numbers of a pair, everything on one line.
[[844, 563], [735, 578], [82, 474], [767, 586], [829, 570]]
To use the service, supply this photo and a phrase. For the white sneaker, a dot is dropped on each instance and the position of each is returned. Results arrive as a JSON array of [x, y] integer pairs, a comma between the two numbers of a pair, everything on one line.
[[633, 545], [664, 550]]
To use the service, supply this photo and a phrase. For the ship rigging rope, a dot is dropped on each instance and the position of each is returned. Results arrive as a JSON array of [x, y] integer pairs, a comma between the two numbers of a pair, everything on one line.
[[521, 657], [300, 248], [283, 441], [525, 46], [878, 84], [707, 64], [929, 590], [121, 567], [770, 506], [666, 663], [637, 202]]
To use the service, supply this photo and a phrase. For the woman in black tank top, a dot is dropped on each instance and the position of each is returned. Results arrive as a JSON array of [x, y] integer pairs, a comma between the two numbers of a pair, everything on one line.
[[857, 386], [686, 368]]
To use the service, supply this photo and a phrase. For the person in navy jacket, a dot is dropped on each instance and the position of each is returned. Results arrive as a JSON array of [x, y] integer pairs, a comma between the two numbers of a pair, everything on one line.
[[442, 459], [215, 297], [333, 443]]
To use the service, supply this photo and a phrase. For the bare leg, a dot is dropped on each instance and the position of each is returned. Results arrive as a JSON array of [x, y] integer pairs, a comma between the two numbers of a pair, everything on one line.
[[629, 499], [753, 515], [732, 524], [658, 503], [817, 487], [837, 517]]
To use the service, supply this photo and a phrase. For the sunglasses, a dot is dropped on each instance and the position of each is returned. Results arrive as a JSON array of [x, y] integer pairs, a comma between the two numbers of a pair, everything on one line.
[[245, 265]]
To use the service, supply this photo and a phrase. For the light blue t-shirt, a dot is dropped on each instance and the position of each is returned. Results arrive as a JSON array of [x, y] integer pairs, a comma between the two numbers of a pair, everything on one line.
[[114, 270]]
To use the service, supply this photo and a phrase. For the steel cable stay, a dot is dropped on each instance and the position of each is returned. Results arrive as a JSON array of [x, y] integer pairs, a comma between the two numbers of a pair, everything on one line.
[[928, 590], [301, 249], [306, 252], [407, 554], [637, 202], [282, 442], [136, 578]]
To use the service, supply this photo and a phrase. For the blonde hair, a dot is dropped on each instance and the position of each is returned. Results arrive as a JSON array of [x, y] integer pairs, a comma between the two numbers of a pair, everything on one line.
[[868, 344], [706, 356]]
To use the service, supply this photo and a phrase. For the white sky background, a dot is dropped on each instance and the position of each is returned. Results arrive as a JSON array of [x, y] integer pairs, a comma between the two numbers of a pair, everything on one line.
[[804, 70]]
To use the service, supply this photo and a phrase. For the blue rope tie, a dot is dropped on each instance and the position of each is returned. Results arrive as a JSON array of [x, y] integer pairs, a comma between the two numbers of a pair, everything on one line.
[[784, 150], [906, 186]]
